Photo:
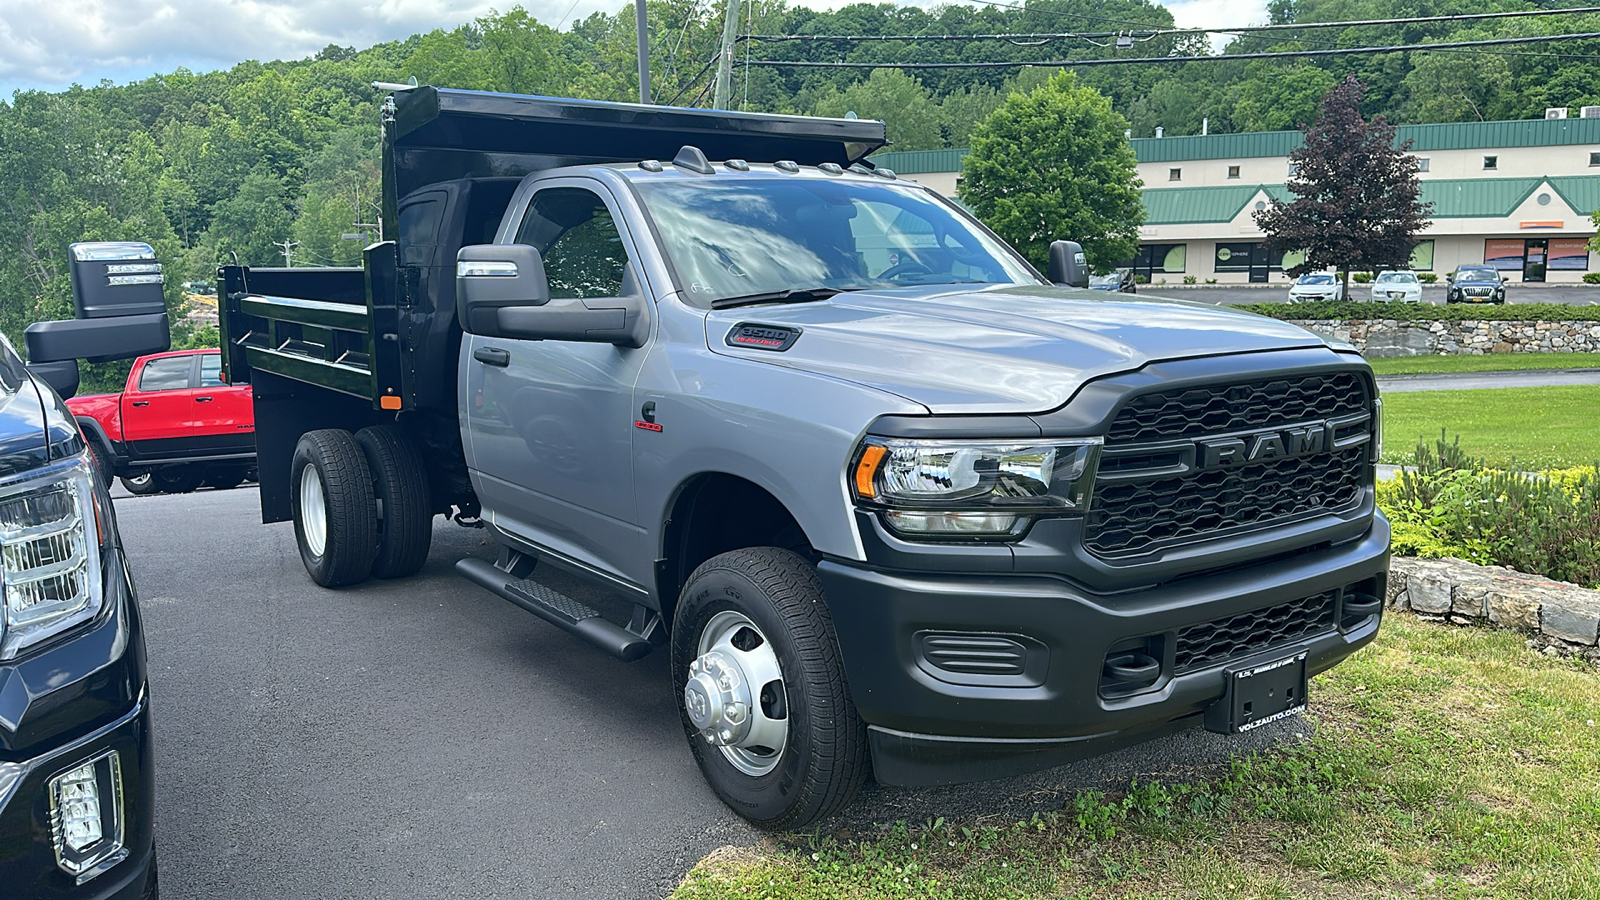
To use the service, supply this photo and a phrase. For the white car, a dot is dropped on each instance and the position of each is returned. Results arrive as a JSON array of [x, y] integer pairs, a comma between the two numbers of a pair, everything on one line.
[[1400, 287], [1316, 286]]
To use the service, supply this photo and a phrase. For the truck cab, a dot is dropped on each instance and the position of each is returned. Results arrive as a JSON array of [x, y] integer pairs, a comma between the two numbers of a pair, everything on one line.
[[886, 494]]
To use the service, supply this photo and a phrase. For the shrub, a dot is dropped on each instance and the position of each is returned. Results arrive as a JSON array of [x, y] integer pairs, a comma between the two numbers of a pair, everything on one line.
[[1190, 279], [1427, 277], [1451, 504], [1425, 312], [1361, 277], [1140, 279], [1591, 278]]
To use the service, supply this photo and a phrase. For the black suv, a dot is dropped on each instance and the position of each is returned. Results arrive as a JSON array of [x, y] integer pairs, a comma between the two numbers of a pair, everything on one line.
[[77, 798], [1475, 284]]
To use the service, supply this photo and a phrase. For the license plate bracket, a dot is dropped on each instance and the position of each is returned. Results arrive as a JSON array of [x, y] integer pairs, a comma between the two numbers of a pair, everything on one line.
[[1260, 692]]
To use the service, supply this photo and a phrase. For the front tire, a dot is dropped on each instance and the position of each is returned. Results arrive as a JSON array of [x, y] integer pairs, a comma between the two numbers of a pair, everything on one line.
[[759, 612], [400, 484], [101, 462], [141, 481], [177, 479], [335, 519]]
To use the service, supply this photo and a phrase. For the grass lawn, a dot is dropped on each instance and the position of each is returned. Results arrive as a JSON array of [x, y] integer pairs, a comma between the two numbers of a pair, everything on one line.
[[1447, 762], [1493, 362], [1529, 428]]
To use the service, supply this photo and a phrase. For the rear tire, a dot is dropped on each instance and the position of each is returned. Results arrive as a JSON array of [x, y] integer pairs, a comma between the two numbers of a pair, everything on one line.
[[767, 605], [335, 519], [177, 479], [400, 484]]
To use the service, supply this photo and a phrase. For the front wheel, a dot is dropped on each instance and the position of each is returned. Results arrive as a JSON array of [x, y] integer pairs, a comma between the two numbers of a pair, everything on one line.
[[761, 689], [335, 521]]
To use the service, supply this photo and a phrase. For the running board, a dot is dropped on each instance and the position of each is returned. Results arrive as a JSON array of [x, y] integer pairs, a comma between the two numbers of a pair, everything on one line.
[[559, 610]]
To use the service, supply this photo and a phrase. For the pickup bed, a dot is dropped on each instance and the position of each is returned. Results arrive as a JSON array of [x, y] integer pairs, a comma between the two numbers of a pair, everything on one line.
[[175, 426], [893, 500]]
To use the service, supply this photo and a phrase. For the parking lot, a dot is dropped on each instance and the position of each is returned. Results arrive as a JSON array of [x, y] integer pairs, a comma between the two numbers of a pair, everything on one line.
[[425, 738], [1278, 292]]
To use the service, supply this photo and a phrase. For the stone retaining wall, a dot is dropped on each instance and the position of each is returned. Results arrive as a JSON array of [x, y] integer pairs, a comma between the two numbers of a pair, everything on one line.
[[1392, 337], [1563, 618]]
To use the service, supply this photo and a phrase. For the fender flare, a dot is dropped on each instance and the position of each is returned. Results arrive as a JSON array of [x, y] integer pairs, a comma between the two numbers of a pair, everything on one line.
[[94, 431]]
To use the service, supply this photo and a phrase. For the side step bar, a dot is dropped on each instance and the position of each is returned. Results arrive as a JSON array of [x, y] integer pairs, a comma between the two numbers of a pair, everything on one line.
[[559, 610]]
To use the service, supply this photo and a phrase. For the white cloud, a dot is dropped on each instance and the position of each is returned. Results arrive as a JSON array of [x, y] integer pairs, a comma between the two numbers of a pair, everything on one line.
[[50, 44], [1215, 13]]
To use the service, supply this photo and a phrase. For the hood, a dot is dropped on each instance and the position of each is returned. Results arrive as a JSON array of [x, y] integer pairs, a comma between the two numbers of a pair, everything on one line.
[[997, 349], [24, 429]]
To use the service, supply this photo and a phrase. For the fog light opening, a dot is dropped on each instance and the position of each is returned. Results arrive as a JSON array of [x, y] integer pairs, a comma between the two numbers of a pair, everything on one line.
[[86, 817]]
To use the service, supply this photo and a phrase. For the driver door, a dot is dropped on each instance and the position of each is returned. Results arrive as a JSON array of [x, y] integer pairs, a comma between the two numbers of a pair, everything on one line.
[[551, 428]]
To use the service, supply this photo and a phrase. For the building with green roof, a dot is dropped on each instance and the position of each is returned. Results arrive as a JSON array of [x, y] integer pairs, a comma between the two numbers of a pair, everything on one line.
[[1516, 195]]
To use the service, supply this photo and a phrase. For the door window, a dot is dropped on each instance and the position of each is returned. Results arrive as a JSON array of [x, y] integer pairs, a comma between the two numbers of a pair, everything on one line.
[[419, 228], [211, 370], [575, 234], [171, 374]]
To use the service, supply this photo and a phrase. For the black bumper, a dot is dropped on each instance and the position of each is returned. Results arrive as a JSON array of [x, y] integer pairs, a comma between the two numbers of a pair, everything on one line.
[[928, 725], [62, 705]]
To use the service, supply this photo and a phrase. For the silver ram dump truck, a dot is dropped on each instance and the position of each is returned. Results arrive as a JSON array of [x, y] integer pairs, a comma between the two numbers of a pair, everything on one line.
[[885, 493]]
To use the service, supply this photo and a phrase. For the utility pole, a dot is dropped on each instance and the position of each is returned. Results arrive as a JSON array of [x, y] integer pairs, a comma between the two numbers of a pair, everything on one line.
[[288, 251], [641, 23], [730, 30]]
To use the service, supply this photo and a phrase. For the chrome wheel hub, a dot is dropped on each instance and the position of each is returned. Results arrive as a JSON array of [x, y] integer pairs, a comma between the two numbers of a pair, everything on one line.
[[735, 696], [313, 511]]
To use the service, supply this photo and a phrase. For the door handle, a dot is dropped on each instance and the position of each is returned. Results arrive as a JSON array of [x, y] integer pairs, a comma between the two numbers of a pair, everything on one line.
[[141, 403], [492, 356], [202, 399]]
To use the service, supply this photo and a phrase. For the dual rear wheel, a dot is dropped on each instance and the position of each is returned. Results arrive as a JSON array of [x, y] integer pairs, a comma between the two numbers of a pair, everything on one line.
[[362, 507]]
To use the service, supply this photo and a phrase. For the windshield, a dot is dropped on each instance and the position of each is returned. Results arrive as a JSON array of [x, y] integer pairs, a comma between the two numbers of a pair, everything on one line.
[[1477, 275], [1397, 278], [1315, 279], [752, 235], [1110, 279]]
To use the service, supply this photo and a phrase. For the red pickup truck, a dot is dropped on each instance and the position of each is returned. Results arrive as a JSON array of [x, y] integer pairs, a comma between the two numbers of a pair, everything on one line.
[[175, 426]]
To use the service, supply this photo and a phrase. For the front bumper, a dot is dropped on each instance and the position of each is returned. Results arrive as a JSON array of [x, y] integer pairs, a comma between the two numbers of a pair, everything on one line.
[[61, 706], [929, 727]]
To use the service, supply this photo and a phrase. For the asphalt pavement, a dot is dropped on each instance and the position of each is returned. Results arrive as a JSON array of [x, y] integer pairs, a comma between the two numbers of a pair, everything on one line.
[[423, 738]]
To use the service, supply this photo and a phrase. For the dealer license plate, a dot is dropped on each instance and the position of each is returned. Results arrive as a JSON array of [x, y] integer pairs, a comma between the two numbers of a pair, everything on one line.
[[1260, 693]]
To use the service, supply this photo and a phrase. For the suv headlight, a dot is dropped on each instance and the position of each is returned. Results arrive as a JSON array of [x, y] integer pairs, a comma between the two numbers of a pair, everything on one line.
[[970, 489], [50, 541]]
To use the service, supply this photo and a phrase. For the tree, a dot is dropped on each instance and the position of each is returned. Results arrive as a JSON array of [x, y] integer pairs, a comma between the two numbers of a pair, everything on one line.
[[899, 100], [1358, 203], [1053, 164], [1277, 98]]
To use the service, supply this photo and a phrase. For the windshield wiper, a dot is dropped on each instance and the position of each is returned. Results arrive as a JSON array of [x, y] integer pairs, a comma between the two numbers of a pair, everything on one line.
[[795, 295]]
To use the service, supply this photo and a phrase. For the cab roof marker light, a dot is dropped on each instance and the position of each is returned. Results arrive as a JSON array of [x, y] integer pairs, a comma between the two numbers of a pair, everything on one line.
[[787, 166], [107, 250]]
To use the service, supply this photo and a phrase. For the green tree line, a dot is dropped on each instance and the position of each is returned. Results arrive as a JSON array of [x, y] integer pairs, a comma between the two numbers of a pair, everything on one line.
[[213, 166]]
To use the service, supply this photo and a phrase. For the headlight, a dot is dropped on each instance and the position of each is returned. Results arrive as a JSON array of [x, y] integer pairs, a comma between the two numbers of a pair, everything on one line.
[[970, 489], [50, 541]]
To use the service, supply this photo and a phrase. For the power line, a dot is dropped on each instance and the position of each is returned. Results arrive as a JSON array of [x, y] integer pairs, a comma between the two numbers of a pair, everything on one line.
[[1081, 63], [1160, 31]]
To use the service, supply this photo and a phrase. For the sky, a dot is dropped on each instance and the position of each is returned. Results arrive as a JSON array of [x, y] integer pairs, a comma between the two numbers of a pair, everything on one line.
[[52, 44]]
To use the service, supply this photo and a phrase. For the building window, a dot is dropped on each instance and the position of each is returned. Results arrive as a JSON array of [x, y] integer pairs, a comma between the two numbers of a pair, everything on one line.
[[1174, 174], [1594, 159], [1491, 162], [1422, 164], [1294, 169], [1422, 256], [1233, 257], [1233, 171], [1159, 259]]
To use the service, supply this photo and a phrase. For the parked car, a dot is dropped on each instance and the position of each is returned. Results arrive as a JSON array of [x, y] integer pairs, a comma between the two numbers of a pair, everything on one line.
[[1114, 280], [1397, 286], [1315, 286], [1475, 284], [77, 805], [175, 426]]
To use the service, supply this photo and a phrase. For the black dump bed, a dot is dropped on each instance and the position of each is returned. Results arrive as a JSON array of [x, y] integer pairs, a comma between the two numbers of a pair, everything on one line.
[[386, 333]]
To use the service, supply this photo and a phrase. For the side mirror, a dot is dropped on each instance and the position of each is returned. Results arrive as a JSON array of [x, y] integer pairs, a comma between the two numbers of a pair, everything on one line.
[[502, 291], [121, 312], [1505, 279], [62, 375], [1449, 279], [1068, 265]]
